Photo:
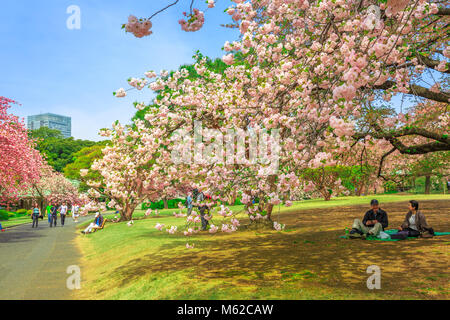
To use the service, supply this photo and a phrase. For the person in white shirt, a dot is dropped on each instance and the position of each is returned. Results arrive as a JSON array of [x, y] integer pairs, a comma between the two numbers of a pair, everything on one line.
[[75, 212], [62, 213]]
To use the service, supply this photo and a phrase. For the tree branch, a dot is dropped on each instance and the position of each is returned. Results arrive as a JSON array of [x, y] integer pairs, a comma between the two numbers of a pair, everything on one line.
[[418, 91]]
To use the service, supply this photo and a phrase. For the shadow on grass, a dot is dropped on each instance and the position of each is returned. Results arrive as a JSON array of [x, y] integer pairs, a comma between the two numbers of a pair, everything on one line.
[[311, 255]]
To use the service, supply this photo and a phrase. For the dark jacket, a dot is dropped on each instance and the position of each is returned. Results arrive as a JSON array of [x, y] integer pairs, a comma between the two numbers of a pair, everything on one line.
[[421, 222], [380, 216], [54, 210], [99, 220]]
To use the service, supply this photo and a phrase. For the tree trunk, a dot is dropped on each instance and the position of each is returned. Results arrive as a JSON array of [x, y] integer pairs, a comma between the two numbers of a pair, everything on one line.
[[358, 191], [127, 213], [326, 194], [166, 205], [269, 211], [427, 184]]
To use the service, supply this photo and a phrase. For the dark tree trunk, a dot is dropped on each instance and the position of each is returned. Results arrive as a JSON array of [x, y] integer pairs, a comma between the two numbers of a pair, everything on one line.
[[166, 204]]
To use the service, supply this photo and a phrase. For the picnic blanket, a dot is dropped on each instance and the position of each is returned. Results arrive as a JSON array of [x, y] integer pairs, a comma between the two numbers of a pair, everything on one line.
[[393, 231]]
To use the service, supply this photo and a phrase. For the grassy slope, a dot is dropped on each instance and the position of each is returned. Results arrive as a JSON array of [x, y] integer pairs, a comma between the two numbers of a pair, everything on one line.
[[16, 221], [140, 262]]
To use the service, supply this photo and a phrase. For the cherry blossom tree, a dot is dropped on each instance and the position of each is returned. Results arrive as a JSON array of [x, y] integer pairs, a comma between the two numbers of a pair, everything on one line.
[[136, 165], [319, 72], [52, 186], [20, 163]]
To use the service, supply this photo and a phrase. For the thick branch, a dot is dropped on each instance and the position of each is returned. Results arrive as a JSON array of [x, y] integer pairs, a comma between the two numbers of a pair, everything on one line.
[[443, 12], [441, 143], [430, 63], [418, 91]]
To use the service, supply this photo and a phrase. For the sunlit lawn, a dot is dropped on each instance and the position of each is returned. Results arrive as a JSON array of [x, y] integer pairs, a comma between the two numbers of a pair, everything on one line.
[[306, 261], [16, 221]]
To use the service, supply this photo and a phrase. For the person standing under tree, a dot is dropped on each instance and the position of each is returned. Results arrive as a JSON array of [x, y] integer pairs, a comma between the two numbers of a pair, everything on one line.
[[54, 213], [201, 207], [35, 215], [189, 204], [62, 213]]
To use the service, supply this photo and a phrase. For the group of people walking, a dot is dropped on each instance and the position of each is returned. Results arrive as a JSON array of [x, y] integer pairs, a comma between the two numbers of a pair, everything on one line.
[[375, 221], [52, 210]]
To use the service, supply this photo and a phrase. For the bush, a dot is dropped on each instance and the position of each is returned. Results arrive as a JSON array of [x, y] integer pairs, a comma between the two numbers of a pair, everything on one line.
[[5, 215], [172, 204], [21, 211], [29, 212]]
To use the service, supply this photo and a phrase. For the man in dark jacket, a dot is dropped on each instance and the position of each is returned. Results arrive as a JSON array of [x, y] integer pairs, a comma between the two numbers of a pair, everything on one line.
[[54, 213], [375, 220]]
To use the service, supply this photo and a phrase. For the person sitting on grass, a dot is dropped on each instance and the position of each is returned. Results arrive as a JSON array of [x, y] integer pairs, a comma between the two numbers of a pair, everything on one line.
[[375, 220], [1, 228], [98, 221], [414, 224]]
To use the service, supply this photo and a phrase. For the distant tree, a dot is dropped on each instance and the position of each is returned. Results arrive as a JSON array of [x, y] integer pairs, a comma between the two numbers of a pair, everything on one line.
[[45, 133], [57, 150], [83, 159], [326, 180]]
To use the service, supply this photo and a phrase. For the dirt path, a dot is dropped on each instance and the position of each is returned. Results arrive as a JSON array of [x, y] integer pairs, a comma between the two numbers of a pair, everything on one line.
[[33, 262]]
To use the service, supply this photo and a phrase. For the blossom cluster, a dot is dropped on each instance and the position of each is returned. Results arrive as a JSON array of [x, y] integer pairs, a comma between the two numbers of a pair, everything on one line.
[[139, 28], [194, 21]]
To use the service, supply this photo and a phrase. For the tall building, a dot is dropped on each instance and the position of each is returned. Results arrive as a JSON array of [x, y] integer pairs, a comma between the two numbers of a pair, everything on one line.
[[52, 121]]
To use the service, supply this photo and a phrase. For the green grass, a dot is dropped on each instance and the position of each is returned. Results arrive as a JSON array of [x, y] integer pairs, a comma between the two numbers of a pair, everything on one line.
[[140, 262], [350, 201], [16, 221], [318, 203]]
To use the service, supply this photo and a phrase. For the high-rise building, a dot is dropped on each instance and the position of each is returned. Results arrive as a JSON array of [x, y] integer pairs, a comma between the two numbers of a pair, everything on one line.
[[52, 121]]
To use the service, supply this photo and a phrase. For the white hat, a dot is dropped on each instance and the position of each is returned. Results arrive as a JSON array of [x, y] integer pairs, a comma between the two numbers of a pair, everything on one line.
[[97, 213]]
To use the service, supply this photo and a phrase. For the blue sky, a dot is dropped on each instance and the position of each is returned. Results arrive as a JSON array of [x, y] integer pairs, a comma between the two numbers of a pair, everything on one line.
[[49, 68]]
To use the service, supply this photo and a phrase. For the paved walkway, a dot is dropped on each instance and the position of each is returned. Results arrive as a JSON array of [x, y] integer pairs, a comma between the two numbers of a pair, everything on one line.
[[33, 262]]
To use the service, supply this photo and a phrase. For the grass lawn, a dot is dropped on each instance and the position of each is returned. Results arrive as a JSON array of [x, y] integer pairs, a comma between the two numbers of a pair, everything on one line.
[[306, 261], [16, 221]]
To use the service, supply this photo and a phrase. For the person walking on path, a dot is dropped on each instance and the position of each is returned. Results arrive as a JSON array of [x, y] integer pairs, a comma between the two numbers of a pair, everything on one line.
[[35, 215], [75, 212], [62, 213], [54, 213], [48, 210]]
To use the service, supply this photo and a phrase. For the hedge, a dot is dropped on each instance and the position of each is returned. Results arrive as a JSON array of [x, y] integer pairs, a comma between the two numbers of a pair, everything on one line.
[[172, 204], [5, 215]]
